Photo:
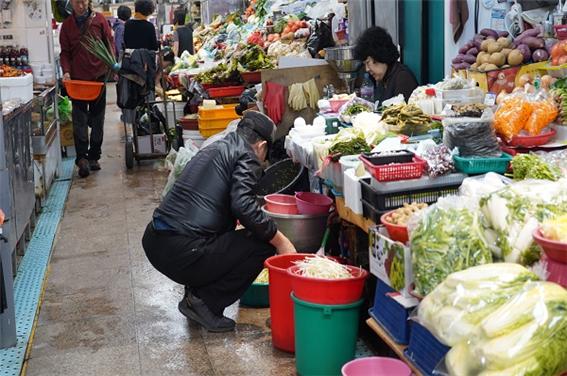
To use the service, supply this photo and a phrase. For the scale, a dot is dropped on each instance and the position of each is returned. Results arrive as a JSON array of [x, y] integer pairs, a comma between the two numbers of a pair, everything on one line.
[[343, 61]]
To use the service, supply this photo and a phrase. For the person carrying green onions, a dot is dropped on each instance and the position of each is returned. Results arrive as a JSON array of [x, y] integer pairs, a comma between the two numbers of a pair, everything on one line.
[[79, 64]]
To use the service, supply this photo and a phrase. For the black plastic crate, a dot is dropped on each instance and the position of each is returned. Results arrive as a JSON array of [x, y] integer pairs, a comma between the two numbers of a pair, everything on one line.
[[368, 211], [379, 159], [390, 199]]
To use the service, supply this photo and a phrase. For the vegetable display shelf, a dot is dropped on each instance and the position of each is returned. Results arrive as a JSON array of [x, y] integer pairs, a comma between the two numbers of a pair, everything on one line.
[[398, 349]]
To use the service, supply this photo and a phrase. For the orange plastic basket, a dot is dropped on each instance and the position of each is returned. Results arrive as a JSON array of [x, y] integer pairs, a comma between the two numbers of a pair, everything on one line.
[[83, 90]]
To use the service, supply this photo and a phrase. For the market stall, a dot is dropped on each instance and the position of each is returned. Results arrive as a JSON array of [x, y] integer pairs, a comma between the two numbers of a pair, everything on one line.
[[458, 187]]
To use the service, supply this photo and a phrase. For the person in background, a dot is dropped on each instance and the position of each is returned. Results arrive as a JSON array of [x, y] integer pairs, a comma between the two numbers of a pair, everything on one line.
[[124, 14], [78, 63], [183, 36], [192, 238], [139, 32], [380, 56]]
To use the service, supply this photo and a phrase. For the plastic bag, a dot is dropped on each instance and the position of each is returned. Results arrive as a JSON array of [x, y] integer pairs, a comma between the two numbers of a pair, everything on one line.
[[65, 109], [544, 111], [439, 160], [447, 237], [524, 336], [512, 115], [320, 39], [472, 137], [454, 309], [183, 156]]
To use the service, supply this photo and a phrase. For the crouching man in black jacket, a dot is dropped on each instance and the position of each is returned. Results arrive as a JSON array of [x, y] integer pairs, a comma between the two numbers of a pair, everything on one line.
[[192, 237]]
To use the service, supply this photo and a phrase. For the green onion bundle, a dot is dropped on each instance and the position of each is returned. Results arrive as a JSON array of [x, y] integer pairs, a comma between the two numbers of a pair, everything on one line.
[[100, 50]]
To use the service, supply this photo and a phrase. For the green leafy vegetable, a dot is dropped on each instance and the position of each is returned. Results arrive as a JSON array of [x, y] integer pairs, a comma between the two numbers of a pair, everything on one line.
[[446, 240], [349, 141], [455, 308], [524, 336], [530, 166]]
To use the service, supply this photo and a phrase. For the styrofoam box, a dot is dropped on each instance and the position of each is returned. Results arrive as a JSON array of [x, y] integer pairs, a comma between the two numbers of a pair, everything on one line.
[[17, 88], [144, 144]]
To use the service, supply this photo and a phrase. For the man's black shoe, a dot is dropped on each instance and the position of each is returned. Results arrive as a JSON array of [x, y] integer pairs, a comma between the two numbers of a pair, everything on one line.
[[83, 165], [195, 309], [94, 165]]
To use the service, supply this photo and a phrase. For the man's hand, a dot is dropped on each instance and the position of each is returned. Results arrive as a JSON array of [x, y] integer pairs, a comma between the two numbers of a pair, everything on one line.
[[282, 244], [66, 76]]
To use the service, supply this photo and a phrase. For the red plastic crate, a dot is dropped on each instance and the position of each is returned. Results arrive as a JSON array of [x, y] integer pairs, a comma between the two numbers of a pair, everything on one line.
[[395, 171], [229, 91]]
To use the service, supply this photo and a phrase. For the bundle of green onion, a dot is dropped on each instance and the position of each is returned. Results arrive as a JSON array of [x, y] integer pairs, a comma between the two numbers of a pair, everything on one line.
[[98, 48]]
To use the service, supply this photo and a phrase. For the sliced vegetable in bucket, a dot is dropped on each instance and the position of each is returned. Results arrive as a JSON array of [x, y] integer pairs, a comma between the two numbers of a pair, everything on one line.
[[322, 267]]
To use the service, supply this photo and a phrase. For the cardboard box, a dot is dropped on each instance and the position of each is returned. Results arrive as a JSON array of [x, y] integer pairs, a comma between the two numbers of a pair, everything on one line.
[[145, 142], [66, 134], [505, 79], [390, 261]]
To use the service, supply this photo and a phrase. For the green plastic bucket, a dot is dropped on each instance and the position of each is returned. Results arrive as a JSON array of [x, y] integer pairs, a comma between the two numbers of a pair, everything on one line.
[[325, 336]]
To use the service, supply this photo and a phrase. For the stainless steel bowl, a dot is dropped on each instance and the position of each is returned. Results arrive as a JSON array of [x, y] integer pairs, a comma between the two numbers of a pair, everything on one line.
[[304, 231], [342, 59]]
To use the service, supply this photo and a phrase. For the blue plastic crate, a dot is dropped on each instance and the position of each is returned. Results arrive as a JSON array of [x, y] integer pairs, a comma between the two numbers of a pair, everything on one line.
[[389, 314], [424, 350]]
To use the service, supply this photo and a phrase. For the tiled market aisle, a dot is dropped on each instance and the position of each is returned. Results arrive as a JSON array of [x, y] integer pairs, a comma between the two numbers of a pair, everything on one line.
[[106, 311]]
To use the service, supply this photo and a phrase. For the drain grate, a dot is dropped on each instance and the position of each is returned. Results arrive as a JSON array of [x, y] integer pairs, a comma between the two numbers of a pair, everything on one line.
[[31, 272]]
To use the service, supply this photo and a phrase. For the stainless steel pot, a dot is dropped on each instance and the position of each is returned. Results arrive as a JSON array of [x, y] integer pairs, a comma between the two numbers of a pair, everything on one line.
[[304, 231]]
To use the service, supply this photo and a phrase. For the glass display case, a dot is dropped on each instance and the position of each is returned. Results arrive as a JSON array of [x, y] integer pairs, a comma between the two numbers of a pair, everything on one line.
[[44, 120]]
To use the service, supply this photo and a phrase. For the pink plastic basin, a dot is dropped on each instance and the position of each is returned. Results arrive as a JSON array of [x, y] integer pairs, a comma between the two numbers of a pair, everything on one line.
[[376, 366], [309, 203], [281, 204]]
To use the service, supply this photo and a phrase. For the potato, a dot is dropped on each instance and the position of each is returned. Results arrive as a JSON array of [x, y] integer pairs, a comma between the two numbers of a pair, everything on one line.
[[504, 42], [515, 57], [474, 66], [485, 59], [484, 45], [479, 57], [490, 67], [506, 51], [482, 67], [494, 47], [497, 59]]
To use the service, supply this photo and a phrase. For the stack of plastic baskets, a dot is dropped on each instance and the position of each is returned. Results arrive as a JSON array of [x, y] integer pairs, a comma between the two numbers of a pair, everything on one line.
[[390, 315], [326, 321], [424, 350]]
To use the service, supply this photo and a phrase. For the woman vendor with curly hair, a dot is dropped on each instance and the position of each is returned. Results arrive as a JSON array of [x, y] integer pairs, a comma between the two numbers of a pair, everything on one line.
[[380, 56]]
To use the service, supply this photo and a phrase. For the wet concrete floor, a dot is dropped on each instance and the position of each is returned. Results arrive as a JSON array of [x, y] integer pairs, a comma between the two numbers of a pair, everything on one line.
[[106, 311]]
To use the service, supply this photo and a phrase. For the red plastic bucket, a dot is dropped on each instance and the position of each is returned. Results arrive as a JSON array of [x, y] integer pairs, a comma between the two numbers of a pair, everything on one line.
[[328, 291], [281, 306], [376, 366]]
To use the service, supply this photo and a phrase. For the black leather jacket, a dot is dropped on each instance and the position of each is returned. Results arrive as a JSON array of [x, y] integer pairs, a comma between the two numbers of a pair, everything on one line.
[[216, 188]]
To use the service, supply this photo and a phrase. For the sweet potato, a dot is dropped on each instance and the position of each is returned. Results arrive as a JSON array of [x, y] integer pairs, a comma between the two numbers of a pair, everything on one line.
[[469, 59], [526, 52], [489, 33], [473, 51], [533, 42]]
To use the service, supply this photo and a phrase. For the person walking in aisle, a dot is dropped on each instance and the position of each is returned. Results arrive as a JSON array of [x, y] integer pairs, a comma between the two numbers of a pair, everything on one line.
[[183, 36], [79, 64], [192, 238], [139, 32], [124, 13]]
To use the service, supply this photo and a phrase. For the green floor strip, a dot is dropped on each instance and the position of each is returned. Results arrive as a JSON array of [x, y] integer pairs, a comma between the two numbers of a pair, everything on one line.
[[31, 272]]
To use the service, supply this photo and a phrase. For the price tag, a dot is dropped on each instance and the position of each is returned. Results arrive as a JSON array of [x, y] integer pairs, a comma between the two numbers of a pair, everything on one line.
[[490, 99]]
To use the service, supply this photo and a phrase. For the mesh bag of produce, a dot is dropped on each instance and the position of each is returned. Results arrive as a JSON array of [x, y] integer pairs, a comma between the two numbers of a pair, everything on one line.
[[512, 115], [544, 111]]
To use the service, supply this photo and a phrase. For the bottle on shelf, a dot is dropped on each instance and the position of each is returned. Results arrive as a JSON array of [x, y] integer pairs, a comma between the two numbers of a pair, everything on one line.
[[367, 89]]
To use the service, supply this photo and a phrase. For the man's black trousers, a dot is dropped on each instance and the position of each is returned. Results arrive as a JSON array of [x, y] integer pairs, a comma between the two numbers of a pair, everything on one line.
[[217, 270]]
